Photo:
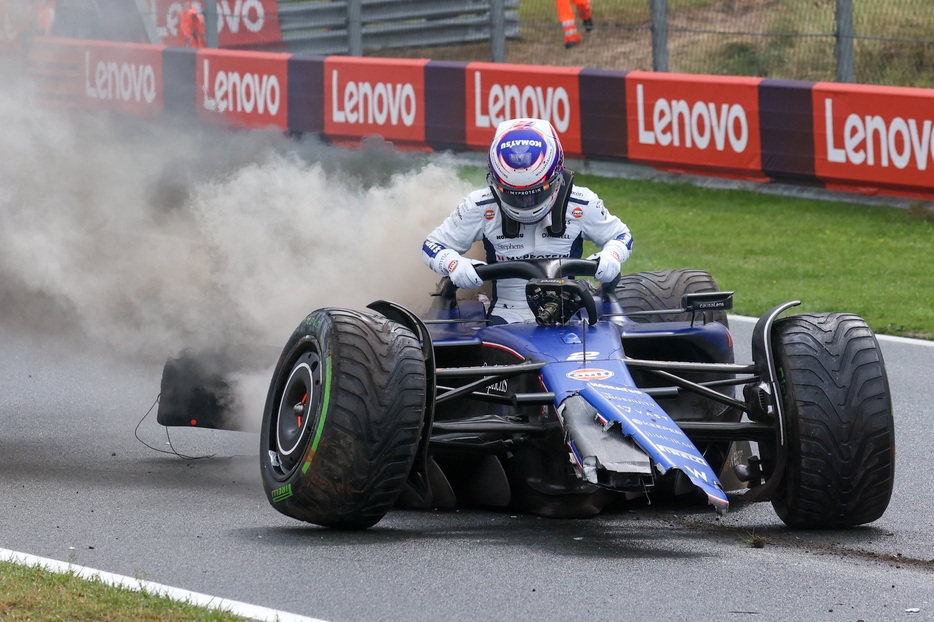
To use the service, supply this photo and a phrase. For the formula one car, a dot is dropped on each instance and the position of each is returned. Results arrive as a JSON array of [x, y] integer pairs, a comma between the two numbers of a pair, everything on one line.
[[618, 392]]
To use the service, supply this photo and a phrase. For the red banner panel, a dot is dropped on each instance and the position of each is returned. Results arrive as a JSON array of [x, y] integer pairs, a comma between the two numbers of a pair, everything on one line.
[[374, 96], [121, 77], [239, 22], [871, 134], [247, 89], [498, 92], [693, 120]]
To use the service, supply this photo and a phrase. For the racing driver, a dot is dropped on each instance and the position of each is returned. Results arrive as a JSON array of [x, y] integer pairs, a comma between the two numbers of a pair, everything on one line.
[[530, 210]]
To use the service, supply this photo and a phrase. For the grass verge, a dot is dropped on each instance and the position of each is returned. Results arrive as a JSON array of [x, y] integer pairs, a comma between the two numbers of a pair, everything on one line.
[[872, 261], [36, 594]]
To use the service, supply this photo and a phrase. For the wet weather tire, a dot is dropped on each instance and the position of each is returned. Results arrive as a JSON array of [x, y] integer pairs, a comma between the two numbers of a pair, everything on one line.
[[662, 289], [841, 435], [342, 419]]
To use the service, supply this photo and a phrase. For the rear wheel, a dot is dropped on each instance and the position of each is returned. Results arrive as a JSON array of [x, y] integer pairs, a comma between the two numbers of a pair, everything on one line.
[[662, 289], [342, 419], [841, 434]]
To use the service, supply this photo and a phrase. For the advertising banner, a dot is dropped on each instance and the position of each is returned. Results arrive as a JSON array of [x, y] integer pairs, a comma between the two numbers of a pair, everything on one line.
[[122, 77], [240, 23], [872, 135], [374, 96], [498, 92], [247, 89], [694, 121]]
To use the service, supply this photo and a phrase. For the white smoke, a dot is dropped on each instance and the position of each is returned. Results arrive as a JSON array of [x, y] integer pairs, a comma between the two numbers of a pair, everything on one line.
[[144, 238]]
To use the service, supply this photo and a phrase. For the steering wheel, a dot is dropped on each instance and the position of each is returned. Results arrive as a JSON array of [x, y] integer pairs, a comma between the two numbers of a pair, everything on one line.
[[539, 269]]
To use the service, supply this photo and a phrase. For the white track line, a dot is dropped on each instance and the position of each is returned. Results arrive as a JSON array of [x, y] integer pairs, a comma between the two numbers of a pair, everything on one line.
[[245, 610], [892, 338]]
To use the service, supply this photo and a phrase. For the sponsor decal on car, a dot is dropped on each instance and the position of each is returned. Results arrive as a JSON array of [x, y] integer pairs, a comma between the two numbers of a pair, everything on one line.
[[590, 374]]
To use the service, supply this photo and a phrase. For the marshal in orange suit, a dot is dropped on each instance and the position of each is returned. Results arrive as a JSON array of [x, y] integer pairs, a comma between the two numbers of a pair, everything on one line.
[[569, 24]]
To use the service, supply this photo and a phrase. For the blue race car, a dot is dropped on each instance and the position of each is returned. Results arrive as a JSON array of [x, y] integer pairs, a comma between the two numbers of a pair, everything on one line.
[[618, 392]]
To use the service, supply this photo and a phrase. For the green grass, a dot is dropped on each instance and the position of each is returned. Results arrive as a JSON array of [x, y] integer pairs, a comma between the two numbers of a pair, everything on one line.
[[34, 594], [872, 261]]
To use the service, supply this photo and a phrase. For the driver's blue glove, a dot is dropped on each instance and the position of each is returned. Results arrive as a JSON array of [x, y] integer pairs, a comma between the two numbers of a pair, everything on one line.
[[459, 268], [611, 258]]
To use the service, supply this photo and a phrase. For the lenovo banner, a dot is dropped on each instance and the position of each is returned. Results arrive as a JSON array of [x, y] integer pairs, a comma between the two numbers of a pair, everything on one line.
[[374, 96], [239, 22], [694, 121], [497, 93], [247, 89], [122, 77], [869, 135]]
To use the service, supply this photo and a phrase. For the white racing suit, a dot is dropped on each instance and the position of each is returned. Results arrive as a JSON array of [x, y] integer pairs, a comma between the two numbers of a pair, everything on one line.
[[478, 217]]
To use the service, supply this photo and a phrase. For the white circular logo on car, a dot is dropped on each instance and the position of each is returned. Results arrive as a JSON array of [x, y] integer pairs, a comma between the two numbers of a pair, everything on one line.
[[587, 375]]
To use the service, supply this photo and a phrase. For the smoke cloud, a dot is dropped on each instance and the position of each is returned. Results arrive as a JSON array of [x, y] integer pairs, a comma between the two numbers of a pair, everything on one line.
[[147, 238], [141, 238]]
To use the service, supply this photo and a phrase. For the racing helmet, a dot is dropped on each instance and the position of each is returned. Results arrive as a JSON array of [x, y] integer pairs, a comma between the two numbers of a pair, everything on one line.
[[526, 161]]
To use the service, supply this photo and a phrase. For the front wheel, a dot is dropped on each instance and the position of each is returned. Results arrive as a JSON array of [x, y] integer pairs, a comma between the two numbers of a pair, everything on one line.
[[841, 434], [342, 419]]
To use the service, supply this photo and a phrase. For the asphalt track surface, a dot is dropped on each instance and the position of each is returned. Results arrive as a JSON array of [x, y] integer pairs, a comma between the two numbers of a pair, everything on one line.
[[76, 485]]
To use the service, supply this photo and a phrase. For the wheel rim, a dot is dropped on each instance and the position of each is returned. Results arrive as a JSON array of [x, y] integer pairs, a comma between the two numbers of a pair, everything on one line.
[[297, 410]]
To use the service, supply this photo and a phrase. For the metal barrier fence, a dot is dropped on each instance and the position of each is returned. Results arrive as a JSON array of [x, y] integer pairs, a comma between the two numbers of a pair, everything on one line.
[[356, 27]]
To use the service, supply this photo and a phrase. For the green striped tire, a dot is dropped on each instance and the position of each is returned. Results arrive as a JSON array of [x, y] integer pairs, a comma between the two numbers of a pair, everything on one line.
[[342, 419]]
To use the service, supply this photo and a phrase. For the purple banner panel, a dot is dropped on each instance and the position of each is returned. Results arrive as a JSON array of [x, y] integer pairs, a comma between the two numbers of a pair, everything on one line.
[[603, 113], [179, 77], [306, 93], [786, 124], [445, 94]]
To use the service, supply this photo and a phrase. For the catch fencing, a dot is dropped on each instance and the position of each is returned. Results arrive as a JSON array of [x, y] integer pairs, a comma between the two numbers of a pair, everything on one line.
[[888, 42]]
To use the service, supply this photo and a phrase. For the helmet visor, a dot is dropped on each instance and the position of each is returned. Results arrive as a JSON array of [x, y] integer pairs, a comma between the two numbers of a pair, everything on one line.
[[526, 198]]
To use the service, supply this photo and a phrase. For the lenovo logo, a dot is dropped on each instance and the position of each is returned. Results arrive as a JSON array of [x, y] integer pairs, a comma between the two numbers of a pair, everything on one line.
[[362, 102], [874, 141], [697, 125], [130, 82], [236, 92], [509, 101]]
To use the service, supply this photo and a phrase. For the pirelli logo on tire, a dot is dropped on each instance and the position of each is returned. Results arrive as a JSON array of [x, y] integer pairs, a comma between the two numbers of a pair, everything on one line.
[[590, 374], [281, 494]]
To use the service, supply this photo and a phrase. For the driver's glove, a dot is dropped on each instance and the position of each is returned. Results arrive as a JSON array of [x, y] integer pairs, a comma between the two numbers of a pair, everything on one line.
[[459, 268], [611, 258]]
